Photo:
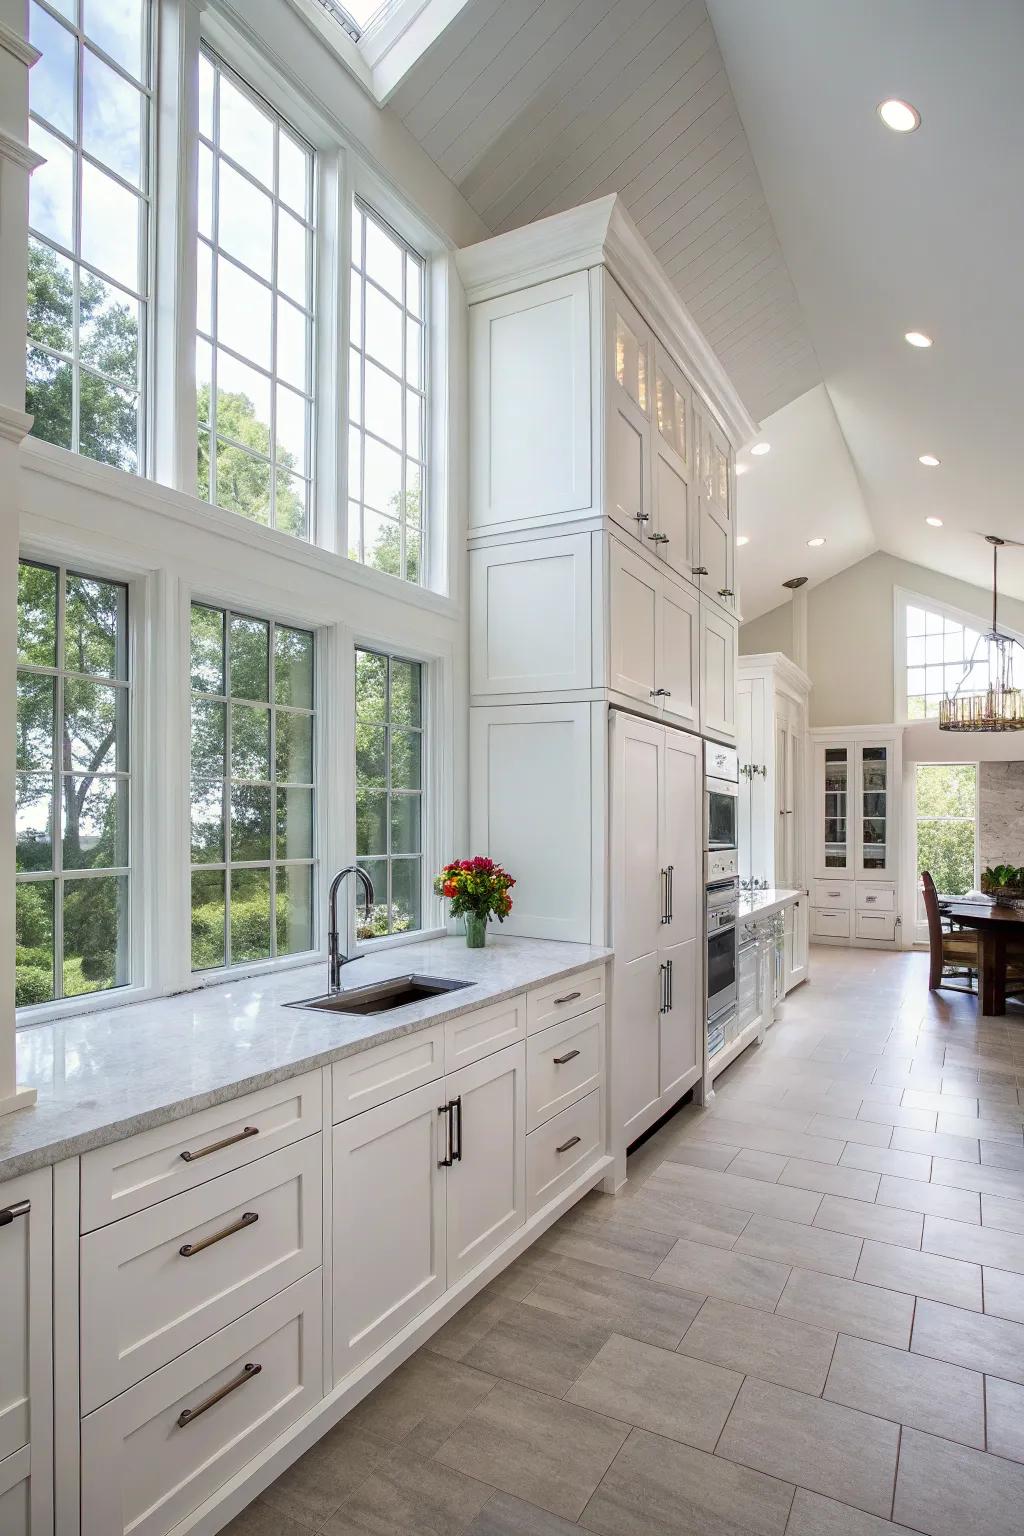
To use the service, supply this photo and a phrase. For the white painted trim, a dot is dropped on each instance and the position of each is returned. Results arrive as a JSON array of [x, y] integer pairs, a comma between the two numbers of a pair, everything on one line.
[[778, 666], [397, 44], [19, 153], [17, 46], [15, 425]]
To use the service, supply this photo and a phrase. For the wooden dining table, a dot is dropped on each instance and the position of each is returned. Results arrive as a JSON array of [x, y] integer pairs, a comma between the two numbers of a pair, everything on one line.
[[997, 927]]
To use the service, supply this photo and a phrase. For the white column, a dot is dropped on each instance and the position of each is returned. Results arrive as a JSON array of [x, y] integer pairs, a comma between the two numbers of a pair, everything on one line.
[[17, 162], [800, 627]]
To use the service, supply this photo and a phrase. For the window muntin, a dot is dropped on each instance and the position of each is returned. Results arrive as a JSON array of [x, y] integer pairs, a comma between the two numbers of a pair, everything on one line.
[[387, 400], [389, 789], [938, 652], [946, 827], [254, 306], [89, 214], [253, 856], [72, 860]]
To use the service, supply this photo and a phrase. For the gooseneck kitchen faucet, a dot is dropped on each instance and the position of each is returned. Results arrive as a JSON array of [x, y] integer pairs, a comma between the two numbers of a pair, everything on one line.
[[336, 956]]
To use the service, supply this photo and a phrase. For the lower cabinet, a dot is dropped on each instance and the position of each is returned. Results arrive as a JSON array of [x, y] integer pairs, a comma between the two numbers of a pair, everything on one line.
[[16, 1494], [26, 1369]]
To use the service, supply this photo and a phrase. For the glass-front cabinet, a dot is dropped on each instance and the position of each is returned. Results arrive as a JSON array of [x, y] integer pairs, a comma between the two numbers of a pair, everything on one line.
[[874, 858], [855, 810], [834, 798]]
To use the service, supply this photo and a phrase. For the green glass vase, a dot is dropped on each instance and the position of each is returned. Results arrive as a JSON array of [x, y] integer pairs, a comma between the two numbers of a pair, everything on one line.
[[476, 930]]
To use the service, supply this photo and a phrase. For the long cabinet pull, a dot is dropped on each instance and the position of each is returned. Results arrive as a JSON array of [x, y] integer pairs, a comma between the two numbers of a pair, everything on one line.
[[560, 1061], [446, 1112], [668, 967], [570, 997], [189, 1415], [663, 985], [12, 1212], [567, 1144], [664, 896], [247, 1219], [218, 1146], [661, 693], [456, 1108], [671, 872]]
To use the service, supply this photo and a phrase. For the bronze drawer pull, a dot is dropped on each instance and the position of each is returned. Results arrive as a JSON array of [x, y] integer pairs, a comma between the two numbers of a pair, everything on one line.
[[570, 997], [218, 1146], [12, 1212], [560, 1061], [247, 1218], [567, 1144], [188, 1415]]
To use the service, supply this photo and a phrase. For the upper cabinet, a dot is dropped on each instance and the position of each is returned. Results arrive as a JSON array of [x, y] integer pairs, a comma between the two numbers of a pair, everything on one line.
[[629, 350], [717, 531]]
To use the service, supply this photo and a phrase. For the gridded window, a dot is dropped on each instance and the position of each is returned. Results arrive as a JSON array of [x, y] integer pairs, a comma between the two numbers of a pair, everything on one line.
[[946, 816], [253, 841], [254, 306], [389, 790], [88, 257], [387, 400], [72, 930], [939, 653]]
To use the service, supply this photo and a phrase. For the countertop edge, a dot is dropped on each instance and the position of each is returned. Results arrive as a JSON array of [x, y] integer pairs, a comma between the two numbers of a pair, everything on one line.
[[778, 900]]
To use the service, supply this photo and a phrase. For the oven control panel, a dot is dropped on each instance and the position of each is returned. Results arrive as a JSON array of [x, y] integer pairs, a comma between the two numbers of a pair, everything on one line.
[[722, 864]]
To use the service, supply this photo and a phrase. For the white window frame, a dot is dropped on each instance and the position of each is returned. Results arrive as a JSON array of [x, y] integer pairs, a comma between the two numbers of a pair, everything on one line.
[[919, 922], [904, 599]]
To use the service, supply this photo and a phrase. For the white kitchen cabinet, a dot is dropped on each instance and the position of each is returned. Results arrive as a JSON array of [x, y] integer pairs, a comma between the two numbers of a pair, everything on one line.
[[486, 1182], [561, 1149], [679, 654], [26, 1362], [563, 1063], [389, 1220], [549, 580], [716, 545], [654, 637], [719, 635], [858, 773], [629, 347]]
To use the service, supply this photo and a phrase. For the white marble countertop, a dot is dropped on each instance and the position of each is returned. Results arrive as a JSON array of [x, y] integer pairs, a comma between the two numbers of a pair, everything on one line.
[[107, 1075], [763, 903]]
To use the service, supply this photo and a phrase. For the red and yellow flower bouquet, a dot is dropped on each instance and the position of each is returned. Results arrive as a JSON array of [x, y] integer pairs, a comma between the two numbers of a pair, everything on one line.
[[477, 889]]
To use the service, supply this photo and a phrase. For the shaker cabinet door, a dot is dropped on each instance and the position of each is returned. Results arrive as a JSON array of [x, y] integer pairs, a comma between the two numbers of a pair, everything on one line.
[[629, 350], [718, 644], [633, 625], [678, 670], [486, 1183]]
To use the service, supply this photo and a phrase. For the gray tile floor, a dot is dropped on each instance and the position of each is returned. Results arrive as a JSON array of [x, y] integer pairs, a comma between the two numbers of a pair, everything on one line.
[[803, 1316]]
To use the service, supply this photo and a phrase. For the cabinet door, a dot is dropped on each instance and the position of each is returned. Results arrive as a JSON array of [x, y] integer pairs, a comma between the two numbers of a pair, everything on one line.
[[716, 530], [833, 810], [628, 416], [680, 1021], [633, 625], [16, 1496], [680, 1032], [389, 1222], [674, 532], [678, 653], [549, 579], [486, 1184], [25, 1285], [876, 844], [718, 637], [530, 410]]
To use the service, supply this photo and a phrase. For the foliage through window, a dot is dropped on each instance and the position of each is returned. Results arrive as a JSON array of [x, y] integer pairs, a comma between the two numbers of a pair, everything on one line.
[[387, 400], [72, 928], [946, 817], [939, 651], [389, 790], [89, 214], [253, 776], [254, 306]]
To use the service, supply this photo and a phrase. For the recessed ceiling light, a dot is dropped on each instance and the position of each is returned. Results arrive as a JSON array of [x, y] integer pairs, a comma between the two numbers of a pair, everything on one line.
[[742, 539], [898, 115], [760, 448], [815, 543], [928, 460], [917, 339], [741, 469], [934, 522]]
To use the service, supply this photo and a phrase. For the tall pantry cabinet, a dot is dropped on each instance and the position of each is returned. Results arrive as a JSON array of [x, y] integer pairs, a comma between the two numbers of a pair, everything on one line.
[[602, 585]]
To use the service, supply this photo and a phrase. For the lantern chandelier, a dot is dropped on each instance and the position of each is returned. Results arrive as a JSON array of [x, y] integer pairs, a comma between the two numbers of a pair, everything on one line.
[[999, 706]]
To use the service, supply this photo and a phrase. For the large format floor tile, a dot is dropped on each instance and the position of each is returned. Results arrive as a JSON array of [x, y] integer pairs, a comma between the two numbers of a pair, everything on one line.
[[814, 1515], [1004, 1417], [792, 1242], [730, 1275], [775, 1348], [909, 1389], [617, 1302], [851, 1183], [929, 1199], [669, 1394], [946, 1489], [749, 1195], [862, 1219], [866, 1311], [980, 1342], [921, 1274], [978, 1245]]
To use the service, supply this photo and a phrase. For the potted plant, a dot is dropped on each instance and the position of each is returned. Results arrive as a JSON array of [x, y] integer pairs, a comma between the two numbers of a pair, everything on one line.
[[476, 888], [1005, 882]]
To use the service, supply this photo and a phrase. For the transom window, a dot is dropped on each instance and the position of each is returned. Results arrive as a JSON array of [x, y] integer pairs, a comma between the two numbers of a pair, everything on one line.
[[939, 647], [387, 400], [72, 864], [254, 306], [89, 213], [389, 790], [253, 777]]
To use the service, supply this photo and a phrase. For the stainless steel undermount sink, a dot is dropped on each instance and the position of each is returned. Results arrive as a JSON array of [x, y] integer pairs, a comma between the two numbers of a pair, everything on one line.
[[380, 996]]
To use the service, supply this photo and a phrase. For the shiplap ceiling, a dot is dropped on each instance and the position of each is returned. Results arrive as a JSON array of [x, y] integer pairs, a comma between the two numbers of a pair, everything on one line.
[[534, 106]]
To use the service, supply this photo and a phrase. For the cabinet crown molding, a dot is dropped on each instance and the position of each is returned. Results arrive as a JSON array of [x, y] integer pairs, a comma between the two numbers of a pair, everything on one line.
[[14, 425], [18, 153], [17, 46], [779, 666], [601, 233]]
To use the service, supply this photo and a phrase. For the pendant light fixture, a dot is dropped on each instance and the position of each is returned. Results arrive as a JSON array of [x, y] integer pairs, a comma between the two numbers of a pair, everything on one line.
[[999, 706]]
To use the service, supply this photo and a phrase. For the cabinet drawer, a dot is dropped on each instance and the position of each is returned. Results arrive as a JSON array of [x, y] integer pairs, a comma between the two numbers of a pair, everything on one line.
[[384, 1071], [876, 925], [484, 1031], [564, 999], [559, 1151], [872, 897], [562, 1064], [130, 1175], [25, 1285], [145, 1301], [15, 1494], [829, 923], [833, 893], [145, 1466]]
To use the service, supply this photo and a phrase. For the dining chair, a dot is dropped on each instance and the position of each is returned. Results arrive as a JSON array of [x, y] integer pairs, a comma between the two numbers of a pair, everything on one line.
[[954, 951]]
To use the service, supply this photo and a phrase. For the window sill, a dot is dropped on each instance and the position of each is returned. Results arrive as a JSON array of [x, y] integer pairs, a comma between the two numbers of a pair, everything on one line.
[[136, 491]]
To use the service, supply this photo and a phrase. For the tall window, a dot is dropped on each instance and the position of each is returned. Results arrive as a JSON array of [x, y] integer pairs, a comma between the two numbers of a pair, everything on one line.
[[72, 930], [88, 259], [939, 650], [946, 817], [389, 789], [387, 400], [253, 842], [254, 306]]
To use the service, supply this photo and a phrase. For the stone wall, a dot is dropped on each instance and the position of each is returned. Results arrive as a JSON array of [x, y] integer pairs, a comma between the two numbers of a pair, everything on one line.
[[1000, 813]]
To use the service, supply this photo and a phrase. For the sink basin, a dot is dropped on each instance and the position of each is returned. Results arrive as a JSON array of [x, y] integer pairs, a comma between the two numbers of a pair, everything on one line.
[[381, 996]]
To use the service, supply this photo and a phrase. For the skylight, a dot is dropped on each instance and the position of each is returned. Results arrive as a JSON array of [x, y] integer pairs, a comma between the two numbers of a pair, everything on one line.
[[356, 15]]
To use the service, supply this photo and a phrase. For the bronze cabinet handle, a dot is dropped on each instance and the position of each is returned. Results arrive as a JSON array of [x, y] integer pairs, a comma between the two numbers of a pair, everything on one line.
[[218, 1146], [560, 1061], [189, 1415], [445, 1113], [567, 1144], [247, 1219], [570, 997], [700, 570], [12, 1212]]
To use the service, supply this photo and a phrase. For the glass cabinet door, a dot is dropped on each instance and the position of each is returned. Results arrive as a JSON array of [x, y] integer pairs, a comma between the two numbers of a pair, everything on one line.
[[874, 810], [836, 807]]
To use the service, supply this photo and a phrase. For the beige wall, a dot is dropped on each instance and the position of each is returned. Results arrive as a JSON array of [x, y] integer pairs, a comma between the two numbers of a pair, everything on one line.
[[850, 649], [1001, 813]]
